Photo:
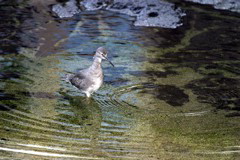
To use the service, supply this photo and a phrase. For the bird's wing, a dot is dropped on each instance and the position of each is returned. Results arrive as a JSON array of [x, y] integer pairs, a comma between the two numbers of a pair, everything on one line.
[[80, 81]]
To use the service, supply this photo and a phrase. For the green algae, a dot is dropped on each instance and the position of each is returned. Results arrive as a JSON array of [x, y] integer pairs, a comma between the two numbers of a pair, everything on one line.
[[132, 118]]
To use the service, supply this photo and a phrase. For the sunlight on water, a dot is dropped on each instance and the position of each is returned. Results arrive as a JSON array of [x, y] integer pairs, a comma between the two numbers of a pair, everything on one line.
[[148, 107]]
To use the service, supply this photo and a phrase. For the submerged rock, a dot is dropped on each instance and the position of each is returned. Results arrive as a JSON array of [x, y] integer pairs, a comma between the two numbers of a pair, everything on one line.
[[155, 13], [232, 5], [220, 92]]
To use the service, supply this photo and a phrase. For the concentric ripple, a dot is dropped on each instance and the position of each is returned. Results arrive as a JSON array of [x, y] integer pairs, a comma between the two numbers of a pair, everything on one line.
[[95, 131], [161, 100], [149, 96]]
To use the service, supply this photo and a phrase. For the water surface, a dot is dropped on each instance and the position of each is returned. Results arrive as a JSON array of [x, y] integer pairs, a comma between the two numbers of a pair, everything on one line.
[[174, 94]]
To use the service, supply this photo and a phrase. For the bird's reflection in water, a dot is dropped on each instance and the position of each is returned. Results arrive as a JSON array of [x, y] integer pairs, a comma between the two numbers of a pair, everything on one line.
[[86, 114]]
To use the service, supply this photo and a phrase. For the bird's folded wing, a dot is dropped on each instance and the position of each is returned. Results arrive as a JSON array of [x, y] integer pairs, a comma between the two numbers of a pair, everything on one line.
[[80, 81]]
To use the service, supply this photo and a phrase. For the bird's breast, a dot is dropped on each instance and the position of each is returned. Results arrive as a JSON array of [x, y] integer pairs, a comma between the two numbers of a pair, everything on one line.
[[97, 84]]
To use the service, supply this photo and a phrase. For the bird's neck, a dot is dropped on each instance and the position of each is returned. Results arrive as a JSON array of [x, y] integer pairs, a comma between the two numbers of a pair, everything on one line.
[[96, 63]]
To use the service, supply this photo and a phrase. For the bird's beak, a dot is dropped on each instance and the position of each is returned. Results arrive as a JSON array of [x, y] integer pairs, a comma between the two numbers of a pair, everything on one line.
[[109, 61]]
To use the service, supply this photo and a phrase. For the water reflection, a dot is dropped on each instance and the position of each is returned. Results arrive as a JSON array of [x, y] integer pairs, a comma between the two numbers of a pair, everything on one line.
[[170, 95]]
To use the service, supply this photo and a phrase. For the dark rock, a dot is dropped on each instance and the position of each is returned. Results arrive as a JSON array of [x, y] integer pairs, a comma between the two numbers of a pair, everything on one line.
[[149, 13], [95, 4], [154, 13], [232, 5]]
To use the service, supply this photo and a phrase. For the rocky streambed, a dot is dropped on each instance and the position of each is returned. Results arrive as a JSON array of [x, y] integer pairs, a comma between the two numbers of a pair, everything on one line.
[[173, 94]]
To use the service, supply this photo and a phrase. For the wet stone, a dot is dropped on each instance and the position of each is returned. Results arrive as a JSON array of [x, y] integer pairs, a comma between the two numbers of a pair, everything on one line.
[[67, 9], [151, 13], [232, 5], [154, 13], [94, 4]]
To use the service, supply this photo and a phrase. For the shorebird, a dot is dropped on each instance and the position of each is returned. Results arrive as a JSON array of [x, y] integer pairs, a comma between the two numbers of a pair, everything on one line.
[[89, 80]]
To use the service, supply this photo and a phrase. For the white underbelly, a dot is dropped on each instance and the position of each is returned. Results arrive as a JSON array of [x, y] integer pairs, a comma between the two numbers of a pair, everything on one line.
[[95, 86]]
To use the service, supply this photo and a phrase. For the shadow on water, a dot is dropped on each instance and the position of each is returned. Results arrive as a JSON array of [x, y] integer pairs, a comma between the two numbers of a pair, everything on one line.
[[174, 94]]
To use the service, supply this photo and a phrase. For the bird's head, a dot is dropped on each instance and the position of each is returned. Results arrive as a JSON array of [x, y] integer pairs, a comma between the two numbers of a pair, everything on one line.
[[102, 53]]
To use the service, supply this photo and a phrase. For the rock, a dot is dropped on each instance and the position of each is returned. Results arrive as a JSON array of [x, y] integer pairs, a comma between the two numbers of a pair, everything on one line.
[[149, 13], [155, 13], [232, 5], [94, 4], [67, 9]]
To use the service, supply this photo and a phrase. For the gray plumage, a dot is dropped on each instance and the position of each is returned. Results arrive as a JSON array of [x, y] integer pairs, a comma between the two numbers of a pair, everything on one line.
[[90, 79]]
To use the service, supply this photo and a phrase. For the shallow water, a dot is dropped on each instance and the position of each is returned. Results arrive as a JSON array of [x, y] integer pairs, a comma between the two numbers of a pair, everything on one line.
[[174, 94]]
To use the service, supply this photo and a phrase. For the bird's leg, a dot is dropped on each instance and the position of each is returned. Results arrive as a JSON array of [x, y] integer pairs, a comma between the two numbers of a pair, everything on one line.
[[88, 94]]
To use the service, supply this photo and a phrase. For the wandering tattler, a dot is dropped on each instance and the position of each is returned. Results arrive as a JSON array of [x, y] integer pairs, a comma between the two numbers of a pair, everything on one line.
[[90, 79]]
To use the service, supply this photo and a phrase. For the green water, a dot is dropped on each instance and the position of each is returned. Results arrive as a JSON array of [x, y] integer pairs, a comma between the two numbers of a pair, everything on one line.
[[173, 94]]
